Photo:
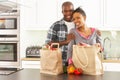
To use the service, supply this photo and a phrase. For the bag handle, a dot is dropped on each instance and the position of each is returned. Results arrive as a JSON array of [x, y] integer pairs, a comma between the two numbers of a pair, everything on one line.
[[53, 44], [82, 65]]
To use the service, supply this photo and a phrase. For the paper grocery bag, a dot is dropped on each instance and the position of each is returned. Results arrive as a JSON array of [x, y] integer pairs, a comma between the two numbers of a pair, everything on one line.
[[88, 59], [51, 61]]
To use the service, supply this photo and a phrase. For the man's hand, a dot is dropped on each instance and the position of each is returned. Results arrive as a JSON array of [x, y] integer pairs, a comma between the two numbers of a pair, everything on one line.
[[99, 32], [70, 37]]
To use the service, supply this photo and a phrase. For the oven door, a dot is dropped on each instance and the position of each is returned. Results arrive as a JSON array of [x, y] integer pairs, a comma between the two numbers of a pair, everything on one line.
[[9, 51]]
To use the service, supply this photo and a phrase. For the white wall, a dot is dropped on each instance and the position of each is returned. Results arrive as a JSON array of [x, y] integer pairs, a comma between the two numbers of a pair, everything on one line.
[[31, 38]]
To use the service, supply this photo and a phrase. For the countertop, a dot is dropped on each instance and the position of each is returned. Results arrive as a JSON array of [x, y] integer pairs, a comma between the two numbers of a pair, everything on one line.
[[104, 61], [34, 74]]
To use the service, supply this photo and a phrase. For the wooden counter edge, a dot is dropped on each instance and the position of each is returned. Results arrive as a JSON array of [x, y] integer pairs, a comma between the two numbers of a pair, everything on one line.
[[104, 61], [31, 59], [111, 61]]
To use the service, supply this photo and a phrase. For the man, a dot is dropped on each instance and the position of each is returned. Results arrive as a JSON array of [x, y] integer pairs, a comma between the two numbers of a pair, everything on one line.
[[58, 32]]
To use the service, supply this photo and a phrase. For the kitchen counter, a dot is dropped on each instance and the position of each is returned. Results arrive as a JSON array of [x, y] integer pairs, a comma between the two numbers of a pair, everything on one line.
[[34, 74], [111, 61], [38, 59]]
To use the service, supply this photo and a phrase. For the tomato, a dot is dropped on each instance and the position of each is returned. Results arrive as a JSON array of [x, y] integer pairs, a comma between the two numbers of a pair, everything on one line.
[[78, 71]]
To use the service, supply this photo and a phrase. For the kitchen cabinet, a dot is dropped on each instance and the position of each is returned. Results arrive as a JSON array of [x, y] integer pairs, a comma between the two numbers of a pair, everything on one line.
[[112, 14], [28, 13], [40, 15], [92, 9], [12, 0], [47, 13], [37, 14], [111, 66], [33, 63]]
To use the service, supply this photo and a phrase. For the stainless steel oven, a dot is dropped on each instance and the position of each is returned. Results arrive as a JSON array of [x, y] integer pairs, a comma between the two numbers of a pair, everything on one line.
[[9, 54], [9, 41], [8, 51], [9, 35]]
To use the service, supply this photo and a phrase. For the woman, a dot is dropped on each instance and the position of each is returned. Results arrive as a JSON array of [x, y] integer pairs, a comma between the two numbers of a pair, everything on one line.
[[83, 34]]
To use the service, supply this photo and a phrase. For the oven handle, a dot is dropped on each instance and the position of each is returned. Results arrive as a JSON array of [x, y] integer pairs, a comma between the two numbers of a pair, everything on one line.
[[9, 41]]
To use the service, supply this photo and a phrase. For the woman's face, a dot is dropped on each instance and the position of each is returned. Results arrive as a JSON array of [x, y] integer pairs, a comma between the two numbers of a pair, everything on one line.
[[78, 19]]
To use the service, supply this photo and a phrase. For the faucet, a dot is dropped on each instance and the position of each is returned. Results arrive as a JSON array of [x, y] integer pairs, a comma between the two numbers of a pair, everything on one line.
[[107, 38], [105, 50]]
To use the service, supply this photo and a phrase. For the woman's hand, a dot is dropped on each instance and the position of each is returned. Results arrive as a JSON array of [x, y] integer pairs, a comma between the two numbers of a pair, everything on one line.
[[98, 44]]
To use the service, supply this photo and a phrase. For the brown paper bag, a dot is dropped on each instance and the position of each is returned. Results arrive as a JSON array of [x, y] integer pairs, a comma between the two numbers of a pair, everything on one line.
[[88, 59], [51, 61]]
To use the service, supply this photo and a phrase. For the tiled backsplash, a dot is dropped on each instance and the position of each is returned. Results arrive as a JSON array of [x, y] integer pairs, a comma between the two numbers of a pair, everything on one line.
[[111, 44]]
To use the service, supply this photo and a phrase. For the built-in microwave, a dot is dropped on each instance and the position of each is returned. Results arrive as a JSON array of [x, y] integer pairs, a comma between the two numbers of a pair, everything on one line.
[[9, 24]]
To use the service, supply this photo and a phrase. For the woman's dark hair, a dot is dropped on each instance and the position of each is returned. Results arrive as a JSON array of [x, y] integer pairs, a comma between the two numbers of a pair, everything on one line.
[[79, 10]]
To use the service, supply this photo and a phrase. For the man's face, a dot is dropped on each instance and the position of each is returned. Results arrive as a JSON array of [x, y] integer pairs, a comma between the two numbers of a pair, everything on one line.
[[67, 12]]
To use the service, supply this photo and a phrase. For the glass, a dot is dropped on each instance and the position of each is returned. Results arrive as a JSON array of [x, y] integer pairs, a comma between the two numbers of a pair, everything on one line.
[[8, 23], [8, 51]]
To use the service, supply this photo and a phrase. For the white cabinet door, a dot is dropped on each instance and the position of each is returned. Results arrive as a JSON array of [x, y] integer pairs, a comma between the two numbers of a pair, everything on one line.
[[47, 13], [31, 64], [91, 7], [38, 14], [112, 14], [111, 66], [28, 13]]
